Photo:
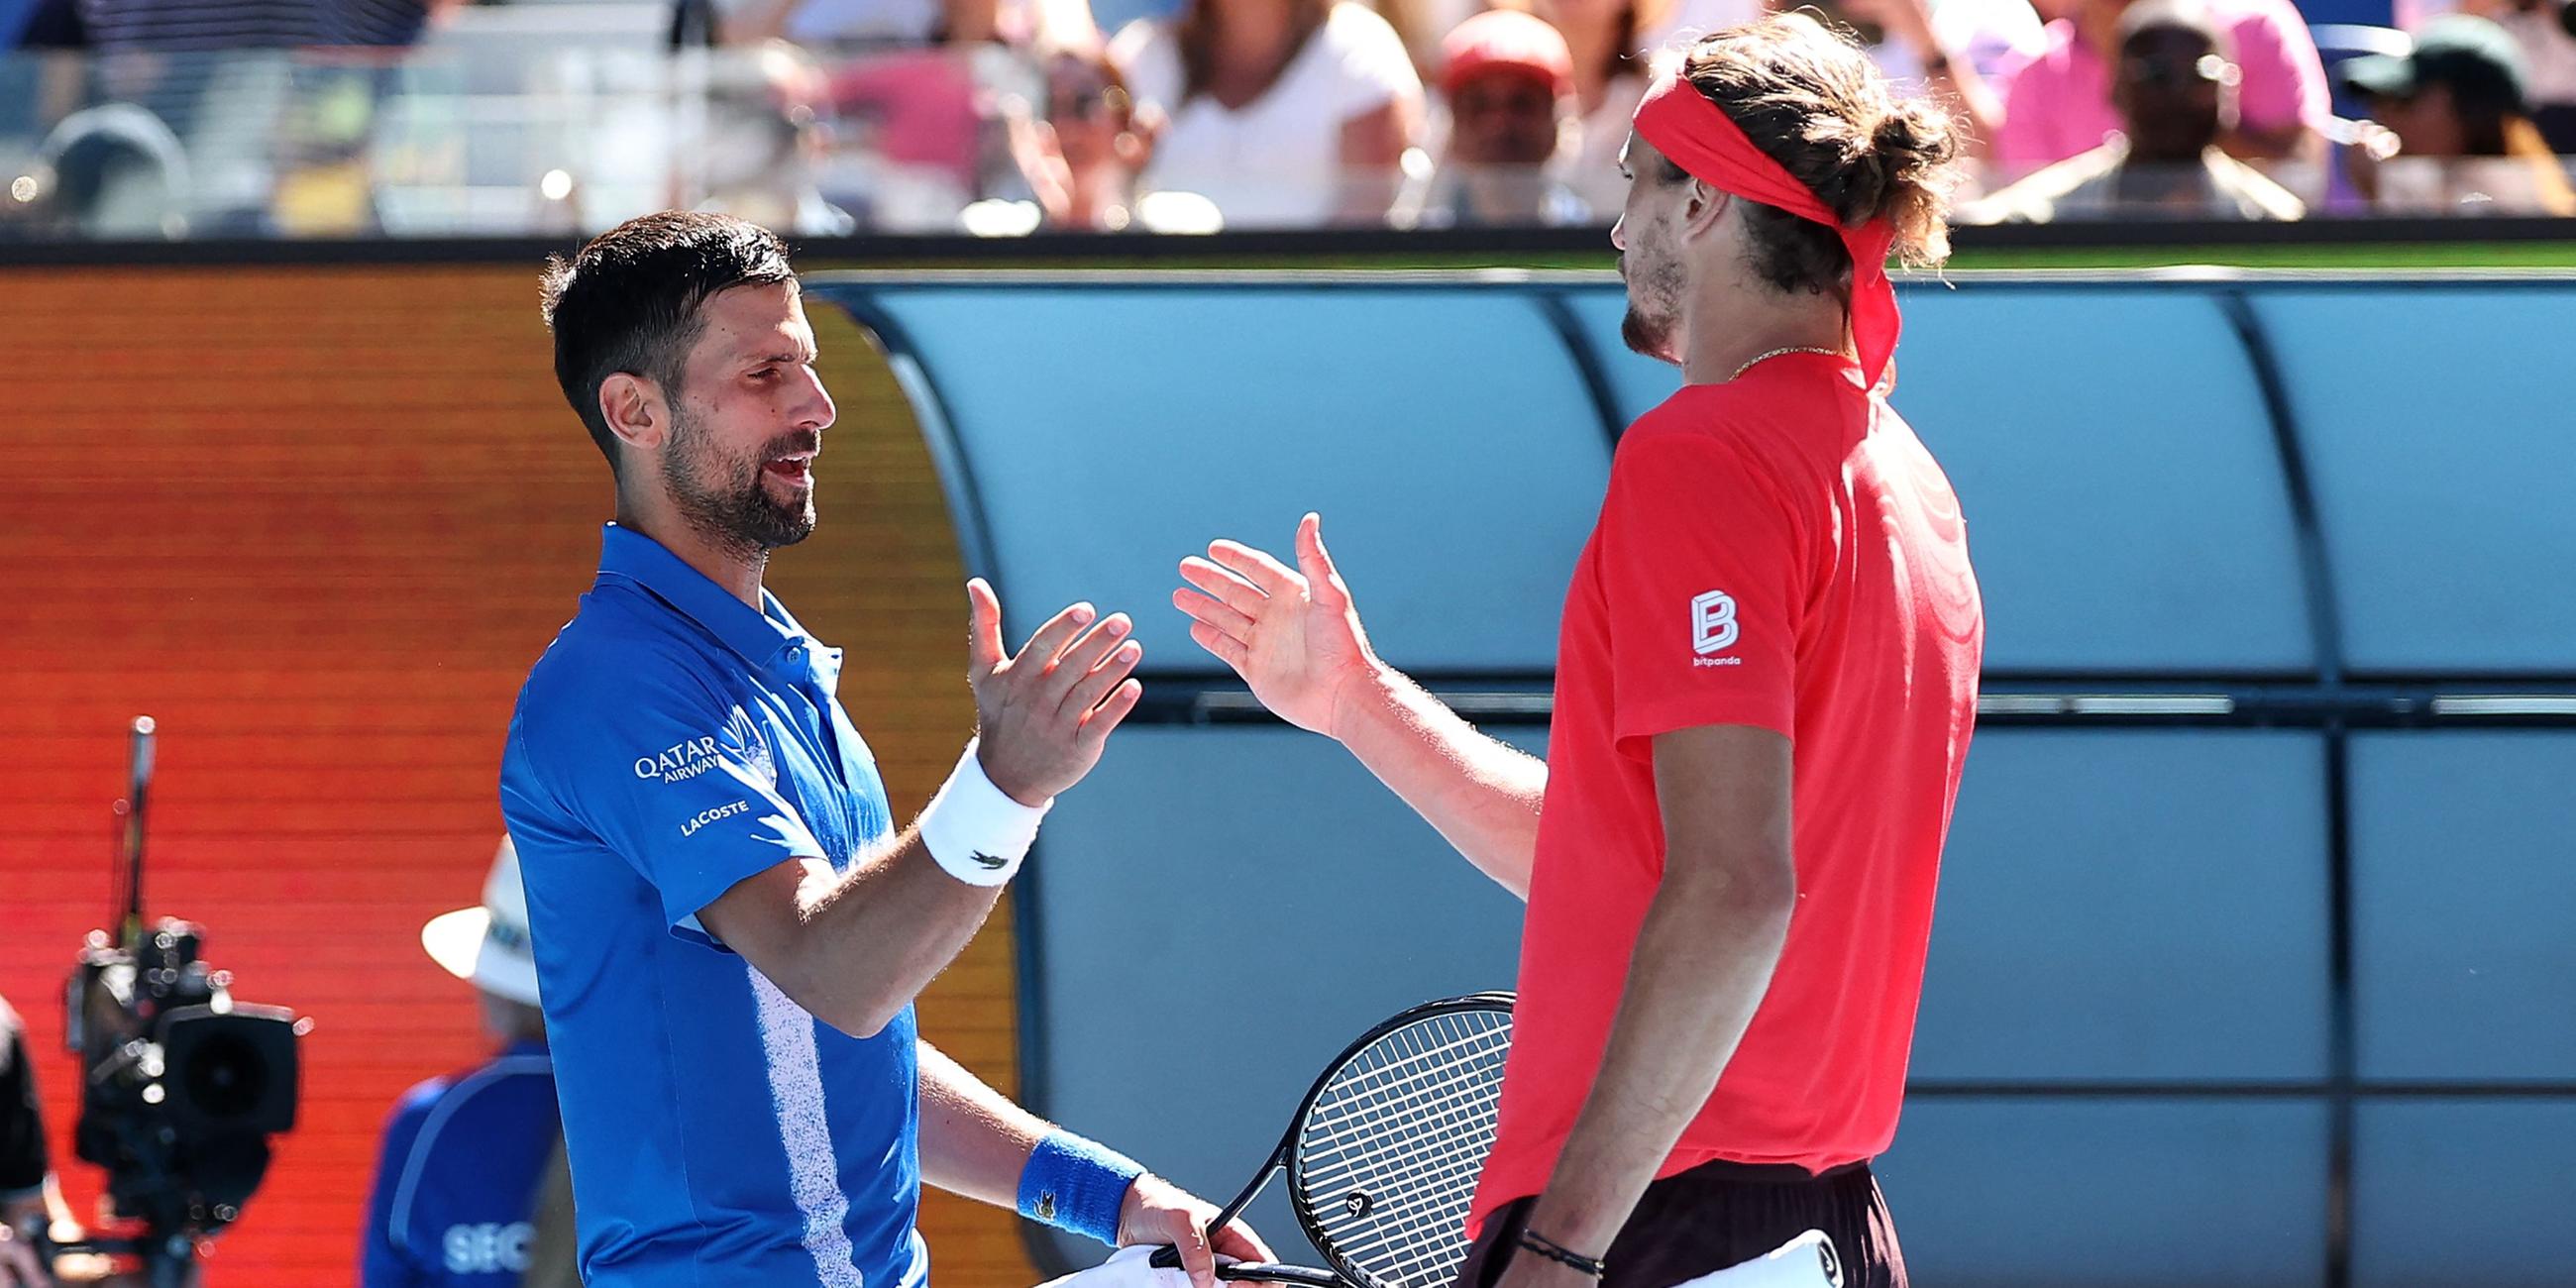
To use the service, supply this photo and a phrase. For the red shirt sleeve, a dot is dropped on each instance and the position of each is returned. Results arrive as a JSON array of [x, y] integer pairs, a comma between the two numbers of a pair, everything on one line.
[[1702, 563]]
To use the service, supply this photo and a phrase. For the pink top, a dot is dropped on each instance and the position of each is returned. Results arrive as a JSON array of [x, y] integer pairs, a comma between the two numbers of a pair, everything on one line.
[[2060, 104]]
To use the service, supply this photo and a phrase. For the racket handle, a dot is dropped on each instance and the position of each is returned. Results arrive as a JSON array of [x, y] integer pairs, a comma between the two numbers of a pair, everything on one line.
[[1272, 1273]]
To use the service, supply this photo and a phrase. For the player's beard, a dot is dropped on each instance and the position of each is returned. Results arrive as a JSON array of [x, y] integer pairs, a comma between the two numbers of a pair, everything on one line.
[[1655, 288], [728, 501]]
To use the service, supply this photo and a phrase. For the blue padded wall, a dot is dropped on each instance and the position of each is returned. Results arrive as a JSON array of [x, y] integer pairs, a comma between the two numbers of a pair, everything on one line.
[[2133, 905], [2461, 1191], [2021, 1192], [2464, 905], [1265, 404], [2446, 516]]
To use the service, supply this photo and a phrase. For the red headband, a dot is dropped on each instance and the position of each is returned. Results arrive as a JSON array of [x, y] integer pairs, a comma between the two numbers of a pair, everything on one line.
[[1698, 137]]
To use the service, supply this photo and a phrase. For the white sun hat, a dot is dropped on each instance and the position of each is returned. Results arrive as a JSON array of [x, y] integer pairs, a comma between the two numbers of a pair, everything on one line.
[[488, 946]]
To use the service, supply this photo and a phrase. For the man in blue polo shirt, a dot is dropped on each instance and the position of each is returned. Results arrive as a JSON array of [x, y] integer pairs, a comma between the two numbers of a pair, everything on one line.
[[465, 1157], [730, 930]]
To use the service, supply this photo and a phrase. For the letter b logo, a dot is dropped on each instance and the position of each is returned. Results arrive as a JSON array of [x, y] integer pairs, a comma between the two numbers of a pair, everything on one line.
[[1713, 626]]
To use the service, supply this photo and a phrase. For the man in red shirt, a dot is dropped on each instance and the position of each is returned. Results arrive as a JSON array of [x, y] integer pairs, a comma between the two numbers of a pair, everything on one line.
[[1765, 688]]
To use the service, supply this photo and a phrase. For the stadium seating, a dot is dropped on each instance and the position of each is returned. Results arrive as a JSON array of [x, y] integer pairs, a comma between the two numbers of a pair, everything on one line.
[[2207, 954]]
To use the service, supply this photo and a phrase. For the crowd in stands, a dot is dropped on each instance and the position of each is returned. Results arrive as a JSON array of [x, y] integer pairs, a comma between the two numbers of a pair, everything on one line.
[[999, 117]]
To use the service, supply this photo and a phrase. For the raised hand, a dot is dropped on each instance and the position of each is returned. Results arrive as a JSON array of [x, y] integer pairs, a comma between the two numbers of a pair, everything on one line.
[[1292, 634], [1044, 714]]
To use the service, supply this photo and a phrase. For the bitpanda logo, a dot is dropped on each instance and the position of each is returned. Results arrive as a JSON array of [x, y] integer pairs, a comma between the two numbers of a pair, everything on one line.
[[1714, 629], [740, 741]]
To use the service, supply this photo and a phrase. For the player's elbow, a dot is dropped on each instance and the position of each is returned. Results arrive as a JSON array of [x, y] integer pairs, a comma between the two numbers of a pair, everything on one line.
[[870, 1018], [852, 1008], [1746, 884]]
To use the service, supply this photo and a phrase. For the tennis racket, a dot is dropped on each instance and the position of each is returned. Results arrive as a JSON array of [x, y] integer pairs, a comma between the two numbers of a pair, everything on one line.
[[1382, 1156]]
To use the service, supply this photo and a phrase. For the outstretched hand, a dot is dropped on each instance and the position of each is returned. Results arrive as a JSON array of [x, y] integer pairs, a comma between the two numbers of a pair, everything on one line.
[[1044, 714], [1292, 634]]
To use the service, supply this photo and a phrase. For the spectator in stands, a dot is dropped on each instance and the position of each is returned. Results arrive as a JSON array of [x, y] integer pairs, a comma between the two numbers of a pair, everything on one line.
[[914, 128], [1963, 51], [764, 135], [465, 1158], [1285, 113], [2461, 103], [2060, 105], [1082, 158], [172, 25], [1509, 85], [825, 23], [2175, 92], [1612, 44], [2546, 31]]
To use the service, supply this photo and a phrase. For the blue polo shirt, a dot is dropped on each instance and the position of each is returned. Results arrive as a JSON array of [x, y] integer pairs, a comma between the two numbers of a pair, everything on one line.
[[671, 742], [455, 1196]]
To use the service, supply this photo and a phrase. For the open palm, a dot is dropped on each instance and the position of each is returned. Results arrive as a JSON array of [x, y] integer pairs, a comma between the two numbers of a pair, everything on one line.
[[1292, 634]]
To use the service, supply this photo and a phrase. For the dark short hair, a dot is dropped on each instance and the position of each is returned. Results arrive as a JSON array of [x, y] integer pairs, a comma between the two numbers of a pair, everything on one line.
[[629, 301], [1811, 99], [2174, 15]]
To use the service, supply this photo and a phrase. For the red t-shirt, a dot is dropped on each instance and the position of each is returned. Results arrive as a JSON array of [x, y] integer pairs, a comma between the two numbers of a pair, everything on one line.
[[1776, 551]]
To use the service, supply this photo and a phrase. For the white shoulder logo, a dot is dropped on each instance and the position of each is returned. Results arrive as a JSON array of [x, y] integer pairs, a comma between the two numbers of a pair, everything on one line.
[[742, 739], [740, 742], [1713, 625]]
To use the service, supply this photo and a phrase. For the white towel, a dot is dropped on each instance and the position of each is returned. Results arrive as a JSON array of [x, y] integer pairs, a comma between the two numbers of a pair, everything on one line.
[[1807, 1261], [1125, 1268]]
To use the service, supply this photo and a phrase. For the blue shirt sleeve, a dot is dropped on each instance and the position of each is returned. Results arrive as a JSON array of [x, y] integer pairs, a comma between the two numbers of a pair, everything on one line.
[[382, 1263], [675, 779]]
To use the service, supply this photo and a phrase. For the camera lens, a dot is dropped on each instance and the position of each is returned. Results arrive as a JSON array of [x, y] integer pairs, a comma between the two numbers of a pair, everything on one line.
[[227, 1077]]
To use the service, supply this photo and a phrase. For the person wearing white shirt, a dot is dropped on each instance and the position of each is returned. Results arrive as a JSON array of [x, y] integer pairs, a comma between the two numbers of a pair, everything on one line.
[[1613, 43], [1284, 113]]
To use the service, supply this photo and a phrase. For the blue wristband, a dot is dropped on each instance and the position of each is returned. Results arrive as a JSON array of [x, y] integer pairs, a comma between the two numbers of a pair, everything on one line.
[[1078, 1185]]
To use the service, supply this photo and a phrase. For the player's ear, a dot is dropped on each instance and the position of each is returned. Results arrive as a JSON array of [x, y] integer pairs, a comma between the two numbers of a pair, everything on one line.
[[1704, 207], [635, 410]]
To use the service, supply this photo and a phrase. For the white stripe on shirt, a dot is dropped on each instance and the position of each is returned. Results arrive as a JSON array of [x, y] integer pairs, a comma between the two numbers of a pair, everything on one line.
[[796, 1093]]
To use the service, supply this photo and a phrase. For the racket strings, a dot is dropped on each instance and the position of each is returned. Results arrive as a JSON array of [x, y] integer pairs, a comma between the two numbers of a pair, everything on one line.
[[1392, 1098], [1406, 1122], [1416, 1232], [1372, 1110], [1351, 1091]]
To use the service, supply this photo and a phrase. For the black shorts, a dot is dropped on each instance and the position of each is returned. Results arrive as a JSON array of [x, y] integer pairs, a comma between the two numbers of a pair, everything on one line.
[[1723, 1214]]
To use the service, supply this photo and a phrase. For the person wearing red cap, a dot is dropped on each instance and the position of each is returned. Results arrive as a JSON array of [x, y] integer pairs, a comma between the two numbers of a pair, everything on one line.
[[1765, 688], [1509, 86]]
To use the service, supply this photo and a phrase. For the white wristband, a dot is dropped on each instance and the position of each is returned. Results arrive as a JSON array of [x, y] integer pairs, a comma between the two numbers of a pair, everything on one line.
[[975, 830]]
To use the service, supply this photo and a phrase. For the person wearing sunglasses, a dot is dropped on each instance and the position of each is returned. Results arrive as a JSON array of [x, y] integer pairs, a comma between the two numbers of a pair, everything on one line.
[[2174, 87]]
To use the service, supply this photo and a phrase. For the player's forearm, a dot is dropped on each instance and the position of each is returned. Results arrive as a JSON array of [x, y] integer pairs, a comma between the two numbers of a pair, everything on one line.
[[1482, 795], [1703, 960], [874, 937], [974, 1141]]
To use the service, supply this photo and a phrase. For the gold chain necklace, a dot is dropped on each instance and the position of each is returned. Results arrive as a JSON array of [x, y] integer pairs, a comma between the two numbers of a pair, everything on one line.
[[1795, 348]]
